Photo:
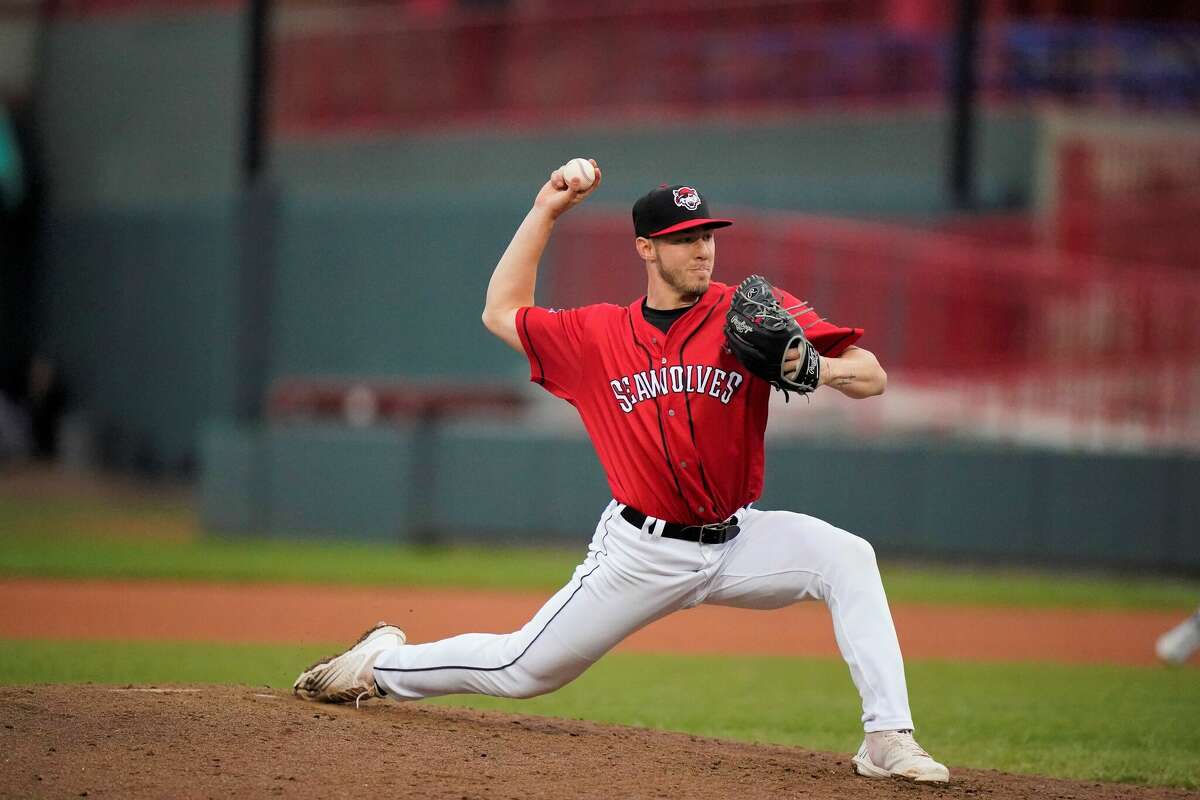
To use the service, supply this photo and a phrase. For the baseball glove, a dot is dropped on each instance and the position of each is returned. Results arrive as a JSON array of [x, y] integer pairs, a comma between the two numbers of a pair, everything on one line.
[[760, 331]]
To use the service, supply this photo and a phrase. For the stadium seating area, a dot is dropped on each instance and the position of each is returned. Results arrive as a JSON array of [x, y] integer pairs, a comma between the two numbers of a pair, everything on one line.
[[1072, 313], [372, 69]]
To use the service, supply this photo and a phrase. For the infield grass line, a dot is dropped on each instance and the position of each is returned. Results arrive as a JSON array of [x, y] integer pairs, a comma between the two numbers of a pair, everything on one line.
[[1128, 724]]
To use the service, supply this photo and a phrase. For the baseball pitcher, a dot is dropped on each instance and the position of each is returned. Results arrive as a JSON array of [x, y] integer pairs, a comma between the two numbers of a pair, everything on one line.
[[673, 390]]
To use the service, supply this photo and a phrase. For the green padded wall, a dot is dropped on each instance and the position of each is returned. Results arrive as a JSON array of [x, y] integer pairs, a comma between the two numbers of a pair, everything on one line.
[[233, 494], [517, 486], [522, 486], [138, 130], [873, 164], [138, 308], [139, 109], [387, 286], [1119, 508], [337, 481]]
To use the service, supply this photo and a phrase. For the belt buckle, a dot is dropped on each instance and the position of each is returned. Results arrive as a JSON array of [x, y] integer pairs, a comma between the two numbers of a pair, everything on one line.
[[721, 532]]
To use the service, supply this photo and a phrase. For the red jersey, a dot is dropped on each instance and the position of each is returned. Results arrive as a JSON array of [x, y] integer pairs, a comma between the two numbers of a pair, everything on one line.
[[676, 420]]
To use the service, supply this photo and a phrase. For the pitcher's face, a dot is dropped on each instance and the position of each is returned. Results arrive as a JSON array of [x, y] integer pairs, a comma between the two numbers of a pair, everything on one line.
[[685, 260]]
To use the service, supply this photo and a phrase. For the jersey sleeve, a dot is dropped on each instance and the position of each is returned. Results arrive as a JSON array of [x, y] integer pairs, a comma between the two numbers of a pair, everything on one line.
[[552, 339], [829, 339]]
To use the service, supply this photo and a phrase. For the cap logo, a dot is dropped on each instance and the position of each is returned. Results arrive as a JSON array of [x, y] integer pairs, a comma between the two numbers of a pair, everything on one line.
[[687, 197]]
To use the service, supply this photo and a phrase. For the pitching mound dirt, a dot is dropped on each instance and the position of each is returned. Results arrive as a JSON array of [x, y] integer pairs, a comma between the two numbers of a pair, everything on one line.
[[219, 741]]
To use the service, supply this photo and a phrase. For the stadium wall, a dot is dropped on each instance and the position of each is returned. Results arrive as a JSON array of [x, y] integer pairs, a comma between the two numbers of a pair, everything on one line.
[[384, 249], [882, 163], [139, 310], [138, 127], [380, 242], [384, 245], [911, 499]]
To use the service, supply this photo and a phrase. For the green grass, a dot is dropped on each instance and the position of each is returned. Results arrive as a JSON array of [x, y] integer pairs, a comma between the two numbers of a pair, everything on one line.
[[49, 519], [1000, 586], [54, 550], [282, 561], [1089, 722], [28, 661]]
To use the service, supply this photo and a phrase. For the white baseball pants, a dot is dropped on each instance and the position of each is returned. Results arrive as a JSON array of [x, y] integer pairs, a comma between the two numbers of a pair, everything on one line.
[[631, 578]]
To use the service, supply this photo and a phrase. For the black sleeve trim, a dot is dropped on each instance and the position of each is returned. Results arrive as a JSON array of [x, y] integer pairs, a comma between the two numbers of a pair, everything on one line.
[[541, 376]]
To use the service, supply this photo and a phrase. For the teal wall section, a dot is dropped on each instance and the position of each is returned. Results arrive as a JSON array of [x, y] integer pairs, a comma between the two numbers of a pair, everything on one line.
[[514, 486], [331, 480], [387, 286], [233, 491], [298, 480], [983, 502], [520, 486], [1125, 515], [138, 125], [138, 309], [1183, 539], [138, 109], [866, 165]]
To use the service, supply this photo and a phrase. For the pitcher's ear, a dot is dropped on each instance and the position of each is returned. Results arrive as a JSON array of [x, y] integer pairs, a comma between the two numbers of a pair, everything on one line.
[[645, 248]]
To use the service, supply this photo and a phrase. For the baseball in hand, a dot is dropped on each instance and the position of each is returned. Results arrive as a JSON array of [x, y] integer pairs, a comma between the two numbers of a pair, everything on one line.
[[579, 168]]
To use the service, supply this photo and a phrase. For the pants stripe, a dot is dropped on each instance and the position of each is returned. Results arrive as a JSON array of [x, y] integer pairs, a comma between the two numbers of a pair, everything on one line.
[[531, 642]]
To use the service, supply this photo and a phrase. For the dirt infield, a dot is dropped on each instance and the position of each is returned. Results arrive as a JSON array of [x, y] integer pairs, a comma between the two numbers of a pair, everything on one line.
[[141, 742], [155, 610]]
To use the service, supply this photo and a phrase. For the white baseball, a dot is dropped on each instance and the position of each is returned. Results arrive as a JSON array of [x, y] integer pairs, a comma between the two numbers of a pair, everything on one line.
[[579, 168]]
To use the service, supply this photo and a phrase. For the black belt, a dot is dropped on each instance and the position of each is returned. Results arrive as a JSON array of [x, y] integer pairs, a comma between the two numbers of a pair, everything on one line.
[[712, 533]]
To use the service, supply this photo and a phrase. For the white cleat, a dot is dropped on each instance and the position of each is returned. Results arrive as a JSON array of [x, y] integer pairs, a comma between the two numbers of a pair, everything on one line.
[[348, 677], [896, 754], [1177, 645]]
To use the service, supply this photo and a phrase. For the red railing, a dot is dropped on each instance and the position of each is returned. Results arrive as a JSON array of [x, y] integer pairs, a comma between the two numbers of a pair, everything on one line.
[[979, 337], [1134, 196], [363, 401], [1120, 189]]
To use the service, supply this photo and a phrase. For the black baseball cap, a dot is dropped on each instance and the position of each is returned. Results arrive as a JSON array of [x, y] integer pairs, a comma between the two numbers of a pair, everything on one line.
[[670, 209]]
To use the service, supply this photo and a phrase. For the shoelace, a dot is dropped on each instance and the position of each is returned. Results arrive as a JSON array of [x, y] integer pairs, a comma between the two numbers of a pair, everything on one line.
[[908, 744]]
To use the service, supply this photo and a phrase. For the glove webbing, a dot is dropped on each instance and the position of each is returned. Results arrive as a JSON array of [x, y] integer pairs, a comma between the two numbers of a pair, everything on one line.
[[773, 311]]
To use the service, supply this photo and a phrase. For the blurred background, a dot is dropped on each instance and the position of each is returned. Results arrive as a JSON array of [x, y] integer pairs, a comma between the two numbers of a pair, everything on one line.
[[245, 246]]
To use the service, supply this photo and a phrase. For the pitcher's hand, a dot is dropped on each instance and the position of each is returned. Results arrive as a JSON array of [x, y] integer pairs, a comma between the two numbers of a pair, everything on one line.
[[557, 197]]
